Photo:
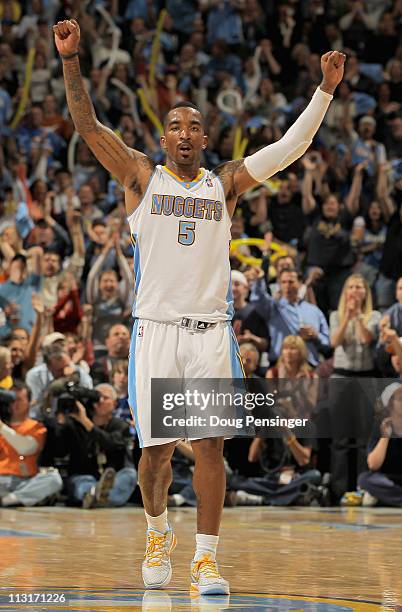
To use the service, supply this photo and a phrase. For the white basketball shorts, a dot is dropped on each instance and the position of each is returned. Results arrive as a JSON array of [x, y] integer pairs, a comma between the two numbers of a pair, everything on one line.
[[166, 350]]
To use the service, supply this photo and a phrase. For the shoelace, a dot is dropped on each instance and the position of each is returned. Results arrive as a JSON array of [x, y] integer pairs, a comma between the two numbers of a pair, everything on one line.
[[206, 567], [155, 549]]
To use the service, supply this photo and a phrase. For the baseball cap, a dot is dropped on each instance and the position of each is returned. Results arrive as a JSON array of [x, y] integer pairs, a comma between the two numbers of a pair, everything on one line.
[[239, 277], [367, 119], [52, 338], [389, 392]]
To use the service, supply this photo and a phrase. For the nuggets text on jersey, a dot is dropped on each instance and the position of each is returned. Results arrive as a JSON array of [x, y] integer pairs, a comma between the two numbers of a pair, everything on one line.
[[196, 208]]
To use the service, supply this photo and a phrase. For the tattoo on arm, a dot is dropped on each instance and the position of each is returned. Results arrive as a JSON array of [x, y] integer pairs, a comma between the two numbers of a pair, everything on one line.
[[78, 100], [126, 164], [112, 147], [227, 174]]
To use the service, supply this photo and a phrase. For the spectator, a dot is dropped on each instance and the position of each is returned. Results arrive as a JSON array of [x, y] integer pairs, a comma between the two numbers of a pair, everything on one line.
[[109, 301], [328, 245], [391, 262], [367, 148], [290, 315], [67, 312], [354, 329], [384, 480], [390, 322], [99, 447], [286, 215], [250, 358], [6, 380], [293, 361], [354, 332], [16, 294], [117, 345], [23, 347], [21, 441], [78, 350], [249, 326], [368, 236], [290, 478], [119, 379]]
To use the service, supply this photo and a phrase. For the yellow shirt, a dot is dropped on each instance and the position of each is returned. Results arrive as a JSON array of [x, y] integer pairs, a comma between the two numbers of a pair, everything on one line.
[[6, 383]]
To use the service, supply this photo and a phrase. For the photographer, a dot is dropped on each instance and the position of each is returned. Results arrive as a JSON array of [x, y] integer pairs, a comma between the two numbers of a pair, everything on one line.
[[57, 364], [99, 447], [21, 442]]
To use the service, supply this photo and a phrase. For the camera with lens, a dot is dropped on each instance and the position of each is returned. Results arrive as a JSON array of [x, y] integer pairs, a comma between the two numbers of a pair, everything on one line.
[[70, 392], [6, 399]]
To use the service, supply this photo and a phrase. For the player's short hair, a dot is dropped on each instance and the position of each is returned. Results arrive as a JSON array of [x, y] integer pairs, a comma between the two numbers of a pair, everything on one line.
[[182, 104], [185, 104]]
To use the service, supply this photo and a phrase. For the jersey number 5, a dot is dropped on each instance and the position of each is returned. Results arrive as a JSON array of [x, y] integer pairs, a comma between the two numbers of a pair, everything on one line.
[[186, 232]]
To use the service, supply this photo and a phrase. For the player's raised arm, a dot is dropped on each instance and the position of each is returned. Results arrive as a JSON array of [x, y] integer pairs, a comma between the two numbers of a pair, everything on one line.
[[132, 168], [238, 176]]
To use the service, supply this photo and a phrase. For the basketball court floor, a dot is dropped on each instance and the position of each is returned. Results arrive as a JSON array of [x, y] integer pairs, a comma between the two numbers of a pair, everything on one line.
[[324, 560]]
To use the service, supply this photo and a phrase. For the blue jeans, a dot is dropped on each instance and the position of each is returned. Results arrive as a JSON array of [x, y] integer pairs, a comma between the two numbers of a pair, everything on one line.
[[32, 490], [124, 485], [379, 485], [268, 486]]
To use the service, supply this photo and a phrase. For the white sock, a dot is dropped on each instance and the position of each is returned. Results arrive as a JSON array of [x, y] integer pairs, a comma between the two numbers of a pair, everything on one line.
[[10, 500], [206, 544], [158, 522], [178, 499]]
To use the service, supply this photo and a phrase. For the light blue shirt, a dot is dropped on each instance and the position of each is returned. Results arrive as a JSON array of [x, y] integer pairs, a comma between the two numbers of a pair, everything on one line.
[[284, 318], [22, 295]]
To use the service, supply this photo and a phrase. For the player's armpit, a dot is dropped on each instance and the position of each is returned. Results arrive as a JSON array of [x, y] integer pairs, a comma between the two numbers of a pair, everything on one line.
[[235, 180]]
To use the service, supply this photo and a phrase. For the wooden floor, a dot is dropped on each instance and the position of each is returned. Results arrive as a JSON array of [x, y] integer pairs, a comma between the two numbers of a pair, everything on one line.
[[276, 559]]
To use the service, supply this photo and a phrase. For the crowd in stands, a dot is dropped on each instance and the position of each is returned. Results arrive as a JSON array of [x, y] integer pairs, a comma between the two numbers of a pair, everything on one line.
[[329, 307]]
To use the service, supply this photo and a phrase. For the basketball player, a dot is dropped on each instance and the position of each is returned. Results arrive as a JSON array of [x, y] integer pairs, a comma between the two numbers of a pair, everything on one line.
[[180, 217]]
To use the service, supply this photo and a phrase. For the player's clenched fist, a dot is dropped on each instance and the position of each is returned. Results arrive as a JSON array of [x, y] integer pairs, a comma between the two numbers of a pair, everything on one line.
[[67, 36], [332, 66]]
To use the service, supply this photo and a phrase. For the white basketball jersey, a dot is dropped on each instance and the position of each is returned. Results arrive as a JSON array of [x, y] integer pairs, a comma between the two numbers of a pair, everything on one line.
[[181, 258]]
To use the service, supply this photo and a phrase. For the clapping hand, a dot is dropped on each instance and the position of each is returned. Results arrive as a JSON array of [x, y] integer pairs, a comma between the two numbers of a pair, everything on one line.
[[386, 428]]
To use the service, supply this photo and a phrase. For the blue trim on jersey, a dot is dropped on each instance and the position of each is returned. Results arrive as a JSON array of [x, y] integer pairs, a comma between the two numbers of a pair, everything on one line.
[[137, 268], [132, 392], [184, 183], [229, 300], [235, 359]]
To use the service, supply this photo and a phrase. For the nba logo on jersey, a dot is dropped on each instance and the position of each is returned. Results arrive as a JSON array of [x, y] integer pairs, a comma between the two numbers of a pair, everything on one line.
[[209, 182], [140, 331]]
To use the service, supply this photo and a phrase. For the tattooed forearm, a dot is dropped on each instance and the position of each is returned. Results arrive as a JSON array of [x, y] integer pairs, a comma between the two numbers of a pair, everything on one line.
[[113, 147], [78, 100]]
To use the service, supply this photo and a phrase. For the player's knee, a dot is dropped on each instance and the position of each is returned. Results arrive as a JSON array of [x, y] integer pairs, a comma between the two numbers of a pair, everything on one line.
[[154, 457], [210, 449]]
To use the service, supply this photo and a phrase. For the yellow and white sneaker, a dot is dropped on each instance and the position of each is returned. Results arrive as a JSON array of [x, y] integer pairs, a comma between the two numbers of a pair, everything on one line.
[[206, 579], [156, 567]]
